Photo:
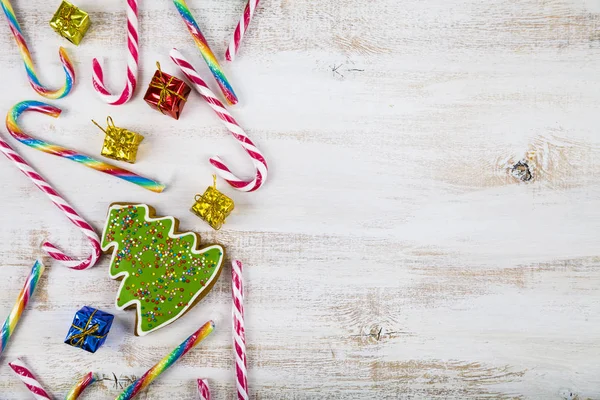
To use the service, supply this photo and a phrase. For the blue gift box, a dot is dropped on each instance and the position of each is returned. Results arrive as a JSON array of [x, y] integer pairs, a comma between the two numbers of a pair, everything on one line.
[[89, 329]]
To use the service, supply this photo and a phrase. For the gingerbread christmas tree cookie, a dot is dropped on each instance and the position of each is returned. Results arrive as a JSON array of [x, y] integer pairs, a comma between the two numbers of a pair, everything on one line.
[[163, 273]]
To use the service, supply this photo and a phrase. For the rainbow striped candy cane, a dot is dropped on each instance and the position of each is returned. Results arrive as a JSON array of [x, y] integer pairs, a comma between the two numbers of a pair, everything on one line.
[[181, 350], [26, 56], [260, 164], [205, 51], [132, 62], [12, 125], [24, 295], [28, 378], [80, 386]]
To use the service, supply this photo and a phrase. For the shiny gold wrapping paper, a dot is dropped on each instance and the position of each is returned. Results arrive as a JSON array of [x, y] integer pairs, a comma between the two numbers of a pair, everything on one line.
[[70, 22], [120, 144], [213, 207]]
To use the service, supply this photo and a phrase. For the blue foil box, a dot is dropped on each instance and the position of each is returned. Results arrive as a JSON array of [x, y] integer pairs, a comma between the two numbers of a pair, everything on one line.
[[89, 329]]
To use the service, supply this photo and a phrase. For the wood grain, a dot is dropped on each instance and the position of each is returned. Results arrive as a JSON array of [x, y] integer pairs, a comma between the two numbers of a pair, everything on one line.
[[392, 254]]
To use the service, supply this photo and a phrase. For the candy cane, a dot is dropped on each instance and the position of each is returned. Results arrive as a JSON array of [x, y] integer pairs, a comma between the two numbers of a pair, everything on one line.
[[27, 377], [203, 390], [224, 172], [132, 62], [239, 332], [24, 295], [62, 204], [80, 386], [12, 125], [205, 51], [240, 30], [26, 56]]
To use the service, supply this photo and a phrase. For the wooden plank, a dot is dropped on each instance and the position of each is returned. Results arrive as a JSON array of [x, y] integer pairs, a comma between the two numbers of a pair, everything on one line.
[[392, 254]]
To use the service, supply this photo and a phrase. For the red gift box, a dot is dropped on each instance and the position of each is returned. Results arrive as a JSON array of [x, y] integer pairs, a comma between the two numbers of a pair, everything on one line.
[[167, 94]]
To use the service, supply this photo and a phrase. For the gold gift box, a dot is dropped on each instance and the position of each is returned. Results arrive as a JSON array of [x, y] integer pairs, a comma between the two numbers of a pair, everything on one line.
[[70, 22], [213, 207], [120, 144]]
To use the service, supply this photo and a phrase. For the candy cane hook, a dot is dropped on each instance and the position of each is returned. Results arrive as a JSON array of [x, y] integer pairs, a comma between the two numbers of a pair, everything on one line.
[[12, 125], [132, 62], [222, 170], [26, 56], [62, 204]]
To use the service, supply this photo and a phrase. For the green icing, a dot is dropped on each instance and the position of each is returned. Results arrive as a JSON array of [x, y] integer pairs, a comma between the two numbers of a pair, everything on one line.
[[164, 274]]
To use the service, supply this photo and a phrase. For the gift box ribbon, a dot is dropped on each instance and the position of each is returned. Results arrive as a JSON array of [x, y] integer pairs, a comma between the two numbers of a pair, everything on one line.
[[78, 339], [213, 206], [164, 88], [115, 133], [66, 20], [66, 14]]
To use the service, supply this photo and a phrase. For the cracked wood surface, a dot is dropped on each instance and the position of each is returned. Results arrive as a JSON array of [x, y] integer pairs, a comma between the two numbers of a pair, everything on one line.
[[392, 254]]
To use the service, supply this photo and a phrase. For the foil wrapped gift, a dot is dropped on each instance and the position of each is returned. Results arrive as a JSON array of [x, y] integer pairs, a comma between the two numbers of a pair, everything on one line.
[[213, 206], [167, 94], [70, 22], [119, 144], [89, 329]]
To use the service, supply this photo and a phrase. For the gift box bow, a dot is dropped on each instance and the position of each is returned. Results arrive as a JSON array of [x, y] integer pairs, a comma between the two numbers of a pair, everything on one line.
[[70, 18], [121, 136], [165, 86]]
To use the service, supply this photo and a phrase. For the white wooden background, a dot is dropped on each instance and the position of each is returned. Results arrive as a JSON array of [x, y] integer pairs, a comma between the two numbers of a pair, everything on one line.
[[390, 255]]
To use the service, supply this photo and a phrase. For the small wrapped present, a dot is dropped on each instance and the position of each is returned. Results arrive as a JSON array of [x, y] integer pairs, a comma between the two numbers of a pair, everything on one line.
[[70, 22], [213, 206], [119, 144], [167, 93], [89, 329]]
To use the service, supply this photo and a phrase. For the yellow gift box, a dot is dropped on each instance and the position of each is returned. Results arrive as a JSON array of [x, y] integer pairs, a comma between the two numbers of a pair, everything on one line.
[[213, 206], [120, 144], [70, 22]]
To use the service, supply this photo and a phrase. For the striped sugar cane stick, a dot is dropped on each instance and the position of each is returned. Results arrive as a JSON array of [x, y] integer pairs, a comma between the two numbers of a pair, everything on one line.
[[80, 386], [240, 30], [27, 377], [24, 295], [203, 389], [223, 171], [205, 51], [239, 332], [34, 81], [132, 62], [62, 204], [12, 125]]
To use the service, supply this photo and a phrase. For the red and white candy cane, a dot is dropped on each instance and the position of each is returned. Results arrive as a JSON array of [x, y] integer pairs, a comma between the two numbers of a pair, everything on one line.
[[240, 30], [203, 389], [132, 62], [27, 377], [239, 332], [222, 170], [62, 204]]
